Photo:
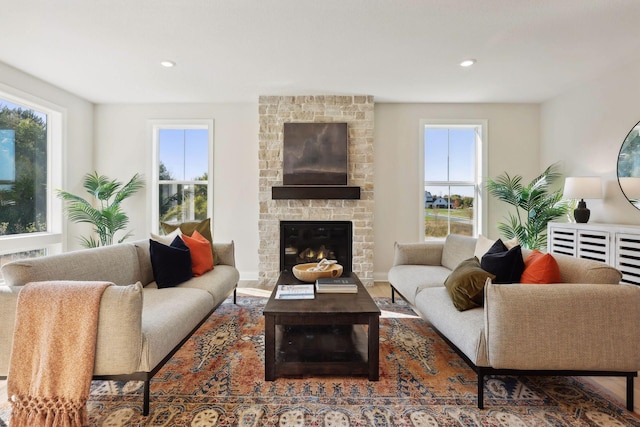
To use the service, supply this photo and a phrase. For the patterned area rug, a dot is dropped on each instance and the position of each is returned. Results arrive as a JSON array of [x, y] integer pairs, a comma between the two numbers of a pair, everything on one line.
[[217, 379]]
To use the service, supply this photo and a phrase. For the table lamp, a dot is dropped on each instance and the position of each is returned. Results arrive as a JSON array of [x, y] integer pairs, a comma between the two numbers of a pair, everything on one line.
[[582, 187]]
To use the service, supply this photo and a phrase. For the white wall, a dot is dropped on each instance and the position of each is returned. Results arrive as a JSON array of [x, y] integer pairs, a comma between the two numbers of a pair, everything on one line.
[[122, 148], [584, 129], [77, 132], [513, 138]]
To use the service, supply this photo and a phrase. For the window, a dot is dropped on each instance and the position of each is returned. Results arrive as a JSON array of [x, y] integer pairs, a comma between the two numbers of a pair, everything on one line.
[[182, 171], [30, 170], [453, 161]]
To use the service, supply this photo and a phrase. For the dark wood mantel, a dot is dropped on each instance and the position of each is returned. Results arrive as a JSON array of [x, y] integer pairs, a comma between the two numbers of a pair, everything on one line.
[[315, 192]]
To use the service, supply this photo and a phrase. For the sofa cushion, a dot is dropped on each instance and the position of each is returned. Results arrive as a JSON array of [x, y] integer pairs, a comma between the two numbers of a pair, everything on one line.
[[144, 260], [423, 253], [465, 284], [540, 268], [457, 248], [171, 264], [201, 255], [506, 264], [219, 282], [409, 280], [168, 315], [464, 329]]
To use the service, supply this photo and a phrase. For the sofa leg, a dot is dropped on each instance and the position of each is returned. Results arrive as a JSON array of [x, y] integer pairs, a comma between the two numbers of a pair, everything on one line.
[[393, 295], [146, 393], [630, 392], [234, 295]]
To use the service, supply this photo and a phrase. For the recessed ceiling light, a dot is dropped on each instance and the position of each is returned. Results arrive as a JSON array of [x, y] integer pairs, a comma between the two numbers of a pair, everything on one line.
[[167, 64], [467, 62]]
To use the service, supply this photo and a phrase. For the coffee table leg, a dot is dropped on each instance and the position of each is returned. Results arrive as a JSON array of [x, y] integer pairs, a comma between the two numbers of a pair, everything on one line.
[[374, 348], [269, 348]]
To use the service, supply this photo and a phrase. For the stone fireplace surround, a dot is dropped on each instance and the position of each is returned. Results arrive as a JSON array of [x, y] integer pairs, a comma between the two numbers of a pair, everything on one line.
[[358, 113]]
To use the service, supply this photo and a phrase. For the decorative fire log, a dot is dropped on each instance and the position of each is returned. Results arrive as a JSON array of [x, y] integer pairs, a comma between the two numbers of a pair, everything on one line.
[[310, 254]]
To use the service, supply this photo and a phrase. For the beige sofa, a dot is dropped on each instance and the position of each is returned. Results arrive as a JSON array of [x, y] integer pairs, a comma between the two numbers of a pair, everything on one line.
[[140, 326], [588, 325]]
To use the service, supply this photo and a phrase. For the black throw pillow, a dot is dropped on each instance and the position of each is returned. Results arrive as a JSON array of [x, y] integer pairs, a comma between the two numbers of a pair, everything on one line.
[[506, 264], [171, 264]]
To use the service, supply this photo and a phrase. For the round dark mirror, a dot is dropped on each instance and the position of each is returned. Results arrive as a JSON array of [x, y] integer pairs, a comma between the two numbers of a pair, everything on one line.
[[629, 166]]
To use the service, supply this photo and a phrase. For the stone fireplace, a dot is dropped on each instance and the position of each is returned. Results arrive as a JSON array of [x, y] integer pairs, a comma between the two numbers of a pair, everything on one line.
[[358, 113]]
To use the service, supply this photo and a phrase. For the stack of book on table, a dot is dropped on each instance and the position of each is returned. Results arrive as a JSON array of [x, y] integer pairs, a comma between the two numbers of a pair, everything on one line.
[[337, 285], [295, 292]]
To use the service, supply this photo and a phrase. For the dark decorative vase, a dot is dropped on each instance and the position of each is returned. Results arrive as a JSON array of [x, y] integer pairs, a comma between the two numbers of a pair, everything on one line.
[[581, 213]]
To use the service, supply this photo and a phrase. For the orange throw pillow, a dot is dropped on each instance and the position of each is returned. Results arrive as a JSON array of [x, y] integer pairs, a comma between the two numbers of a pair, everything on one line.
[[201, 256], [540, 269]]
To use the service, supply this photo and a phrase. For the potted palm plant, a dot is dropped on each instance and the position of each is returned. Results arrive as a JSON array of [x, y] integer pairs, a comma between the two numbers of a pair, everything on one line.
[[535, 205], [107, 216]]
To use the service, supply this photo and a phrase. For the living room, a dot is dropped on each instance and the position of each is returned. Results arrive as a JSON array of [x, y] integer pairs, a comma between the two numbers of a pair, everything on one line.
[[576, 111]]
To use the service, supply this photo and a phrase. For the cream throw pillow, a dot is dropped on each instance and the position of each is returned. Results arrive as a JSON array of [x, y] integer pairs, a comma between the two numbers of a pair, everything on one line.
[[482, 246], [511, 243], [167, 238]]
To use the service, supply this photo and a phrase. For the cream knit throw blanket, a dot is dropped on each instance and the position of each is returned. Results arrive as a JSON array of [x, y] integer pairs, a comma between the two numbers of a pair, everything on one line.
[[53, 353]]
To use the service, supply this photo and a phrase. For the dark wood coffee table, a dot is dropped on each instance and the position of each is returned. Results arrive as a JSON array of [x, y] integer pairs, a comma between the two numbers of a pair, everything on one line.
[[333, 334]]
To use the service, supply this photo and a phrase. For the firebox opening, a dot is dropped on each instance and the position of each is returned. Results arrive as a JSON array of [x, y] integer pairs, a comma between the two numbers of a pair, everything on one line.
[[311, 241]]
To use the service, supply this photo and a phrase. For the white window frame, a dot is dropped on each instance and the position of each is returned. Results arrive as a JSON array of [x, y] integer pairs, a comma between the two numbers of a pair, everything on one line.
[[480, 204], [52, 239], [155, 127]]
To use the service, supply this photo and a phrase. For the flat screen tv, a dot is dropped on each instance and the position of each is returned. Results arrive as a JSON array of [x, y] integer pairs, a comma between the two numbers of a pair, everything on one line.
[[315, 154]]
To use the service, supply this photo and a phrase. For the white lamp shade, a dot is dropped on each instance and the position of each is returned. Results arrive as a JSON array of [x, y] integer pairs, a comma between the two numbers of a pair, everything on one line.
[[583, 187]]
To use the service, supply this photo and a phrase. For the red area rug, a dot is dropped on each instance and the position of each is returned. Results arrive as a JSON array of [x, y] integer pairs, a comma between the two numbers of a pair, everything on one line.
[[217, 379]]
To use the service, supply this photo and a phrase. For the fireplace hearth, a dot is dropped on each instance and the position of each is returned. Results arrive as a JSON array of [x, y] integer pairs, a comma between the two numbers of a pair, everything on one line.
[[311, 241]]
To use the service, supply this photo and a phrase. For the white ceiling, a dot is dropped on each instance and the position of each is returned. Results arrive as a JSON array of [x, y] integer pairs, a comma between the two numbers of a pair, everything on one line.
[[108, 51]]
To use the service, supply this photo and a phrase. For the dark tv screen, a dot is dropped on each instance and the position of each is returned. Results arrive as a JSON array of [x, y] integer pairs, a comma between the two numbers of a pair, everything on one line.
[[315, 154]]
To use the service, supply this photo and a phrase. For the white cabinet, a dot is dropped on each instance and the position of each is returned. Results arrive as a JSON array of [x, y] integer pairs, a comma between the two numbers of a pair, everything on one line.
[[614, 244]]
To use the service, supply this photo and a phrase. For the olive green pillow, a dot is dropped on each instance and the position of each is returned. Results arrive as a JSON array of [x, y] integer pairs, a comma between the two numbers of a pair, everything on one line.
[[466, 284], [203, 227]]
